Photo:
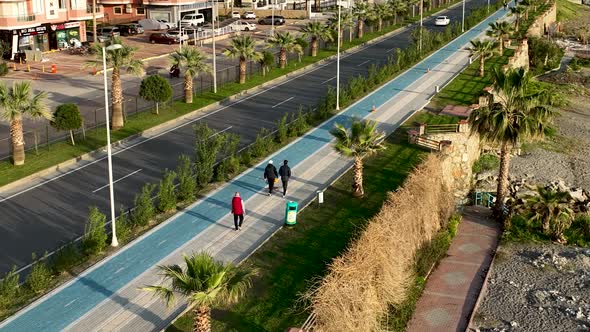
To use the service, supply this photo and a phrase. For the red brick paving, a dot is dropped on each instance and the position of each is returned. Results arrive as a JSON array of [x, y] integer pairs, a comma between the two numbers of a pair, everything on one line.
[[453, 287]]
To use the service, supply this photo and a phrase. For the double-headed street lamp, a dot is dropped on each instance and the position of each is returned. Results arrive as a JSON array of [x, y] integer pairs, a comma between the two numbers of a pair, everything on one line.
[[338, 62], [463, 18], [112, 47]]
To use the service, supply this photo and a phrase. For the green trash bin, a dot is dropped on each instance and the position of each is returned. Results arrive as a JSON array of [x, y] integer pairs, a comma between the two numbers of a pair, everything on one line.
[[291, 213]]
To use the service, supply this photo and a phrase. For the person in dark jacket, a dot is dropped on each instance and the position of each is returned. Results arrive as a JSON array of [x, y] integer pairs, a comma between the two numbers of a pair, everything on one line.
[[270, 175], [238, 210], [285, 174]]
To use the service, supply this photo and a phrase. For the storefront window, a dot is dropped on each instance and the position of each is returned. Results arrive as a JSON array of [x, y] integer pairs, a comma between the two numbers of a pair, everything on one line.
[[26, 43], [62, 39]]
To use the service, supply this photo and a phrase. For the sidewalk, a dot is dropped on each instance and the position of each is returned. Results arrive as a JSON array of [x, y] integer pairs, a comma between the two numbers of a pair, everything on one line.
[[106, 297], [453, 287]]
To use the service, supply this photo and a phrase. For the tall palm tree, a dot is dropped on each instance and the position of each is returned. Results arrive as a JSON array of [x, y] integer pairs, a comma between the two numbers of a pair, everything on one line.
[[550, 207], [193, 62], [514, 115], [286, 43], [205, 283], [347, 21], [361, 12], [316, 31], [244, 48], [501, 31], [119, 59], [381, 11], [484, 49], [361, 141], [16, 104], [517, 11], [399, 8]]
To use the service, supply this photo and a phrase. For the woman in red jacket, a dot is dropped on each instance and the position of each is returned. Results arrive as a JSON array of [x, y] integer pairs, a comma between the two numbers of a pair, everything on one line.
[[238, 210]]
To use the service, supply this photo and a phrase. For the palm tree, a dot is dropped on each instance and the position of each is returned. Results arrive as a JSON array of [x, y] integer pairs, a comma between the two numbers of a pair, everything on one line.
[[398, 7], [193, 62], [517, 11], [361, 141], [118, 59], [550, 207], [286, 43], [316, 31], [381, 11], [514, 115], [244, 48], [16, 104], [526, 4], [484, 49], [361, 12], [501, 31], [266, 61], [302, 42], [347, 21], [205, 283]]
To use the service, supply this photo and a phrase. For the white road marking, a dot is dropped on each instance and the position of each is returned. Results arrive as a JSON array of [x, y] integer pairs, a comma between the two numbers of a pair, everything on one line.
[[161, 242], [119, 270], [72, 301], [126, 176], [360, 64], [328, 80], [284, 101], [391, 49]]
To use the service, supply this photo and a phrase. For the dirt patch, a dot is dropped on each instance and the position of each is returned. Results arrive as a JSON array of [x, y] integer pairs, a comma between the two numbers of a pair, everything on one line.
[[537, 287]]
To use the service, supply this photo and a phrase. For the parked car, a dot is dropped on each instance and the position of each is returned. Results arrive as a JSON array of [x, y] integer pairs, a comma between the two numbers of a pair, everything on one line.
[[278, 20], [242, 26], [176, 34], [235, 14], [442, 21], [192, 20], [169, 25], [107, 32], [163, 38], [191, 32], [130, 29], [249, 15]]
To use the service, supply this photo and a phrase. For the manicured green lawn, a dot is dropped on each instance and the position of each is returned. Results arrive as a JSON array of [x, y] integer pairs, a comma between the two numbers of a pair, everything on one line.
[[292, 258], [466, 88], [567, 10]]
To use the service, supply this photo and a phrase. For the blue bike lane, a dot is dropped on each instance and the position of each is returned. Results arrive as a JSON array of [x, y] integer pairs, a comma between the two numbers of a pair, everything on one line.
[[66, 304]]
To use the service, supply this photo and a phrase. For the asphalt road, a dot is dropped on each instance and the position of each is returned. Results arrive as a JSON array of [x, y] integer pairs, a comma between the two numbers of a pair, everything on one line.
[[42, 218]]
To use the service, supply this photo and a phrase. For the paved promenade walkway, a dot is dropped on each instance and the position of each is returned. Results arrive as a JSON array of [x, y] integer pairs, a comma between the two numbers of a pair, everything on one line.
[[106, 297], [453, 287]]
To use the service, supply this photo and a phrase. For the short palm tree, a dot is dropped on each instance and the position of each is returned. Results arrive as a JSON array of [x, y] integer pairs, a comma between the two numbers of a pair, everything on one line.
[[526, 4], [118, 59], [551, 207], [193, 62], [303, 43], [361, 141], [316, 31], [266, 61], [517, 11], [205, 283], [501, 31], [286, 43], [484, 49], [381, 11], [244, 48], [361, 12], [16, 104], [513, 116], [399, 8]]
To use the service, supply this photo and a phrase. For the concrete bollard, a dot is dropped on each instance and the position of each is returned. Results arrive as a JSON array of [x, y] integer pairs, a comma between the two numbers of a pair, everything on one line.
[[320, 197], [437, 88]]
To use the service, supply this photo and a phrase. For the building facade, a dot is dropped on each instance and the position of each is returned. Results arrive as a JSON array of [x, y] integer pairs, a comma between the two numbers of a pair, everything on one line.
[[123, 11], [43, 25], [174, 10]]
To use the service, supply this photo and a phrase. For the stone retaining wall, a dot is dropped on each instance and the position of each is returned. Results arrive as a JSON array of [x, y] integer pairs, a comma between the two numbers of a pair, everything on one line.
[[541, 24]]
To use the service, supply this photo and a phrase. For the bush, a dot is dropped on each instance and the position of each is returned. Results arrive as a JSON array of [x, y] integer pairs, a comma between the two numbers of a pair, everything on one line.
[[544, 54], [9, 288], [207, 147], [39, 278], [282, 130], [262, 144], [65, 258], [582, 222], [155, 88], [3, 68], [144, 206], [187, 183], [67, 117], [298, 125], [246, 157], [95, 236], [230, 164], [486, 162], [166, 193], [124, 226]]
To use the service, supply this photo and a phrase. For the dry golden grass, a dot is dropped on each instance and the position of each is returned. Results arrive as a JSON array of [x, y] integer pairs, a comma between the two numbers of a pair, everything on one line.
[[376, 270]]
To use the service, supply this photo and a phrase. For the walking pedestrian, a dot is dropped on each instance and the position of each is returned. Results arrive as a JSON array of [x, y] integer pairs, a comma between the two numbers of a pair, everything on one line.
[[285, 173], [238, 209], [505, 4], [270, 175]]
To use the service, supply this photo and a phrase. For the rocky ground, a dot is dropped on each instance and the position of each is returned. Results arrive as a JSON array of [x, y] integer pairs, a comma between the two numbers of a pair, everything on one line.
[[537, 288]]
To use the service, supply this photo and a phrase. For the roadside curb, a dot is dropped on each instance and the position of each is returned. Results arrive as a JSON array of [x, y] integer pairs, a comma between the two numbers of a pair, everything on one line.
[[89, 156]]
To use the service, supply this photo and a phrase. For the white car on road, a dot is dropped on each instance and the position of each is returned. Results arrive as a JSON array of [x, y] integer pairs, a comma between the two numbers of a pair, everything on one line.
[[192, 20], [249, 16], [235, 14], [243, 26], [442, 21]]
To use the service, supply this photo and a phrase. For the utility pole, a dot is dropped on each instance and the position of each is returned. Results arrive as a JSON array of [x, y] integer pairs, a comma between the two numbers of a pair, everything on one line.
[[338, 62], [94, 22], [421, 16], [214, 9], [463, 19]]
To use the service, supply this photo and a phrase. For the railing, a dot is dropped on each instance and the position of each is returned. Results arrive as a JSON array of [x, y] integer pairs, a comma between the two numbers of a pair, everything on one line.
[[427, 143], [27, 18], [442, 128], [488, 200], [96, 9]]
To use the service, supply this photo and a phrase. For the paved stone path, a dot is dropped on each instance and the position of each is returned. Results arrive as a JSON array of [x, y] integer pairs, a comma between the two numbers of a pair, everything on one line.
[[453, 287]]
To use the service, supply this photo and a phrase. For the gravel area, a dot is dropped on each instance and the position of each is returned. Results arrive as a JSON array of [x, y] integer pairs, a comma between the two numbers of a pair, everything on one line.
[[536, 287]]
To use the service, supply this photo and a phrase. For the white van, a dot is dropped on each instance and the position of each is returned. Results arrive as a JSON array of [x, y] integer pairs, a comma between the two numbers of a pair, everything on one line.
[[192, 20]]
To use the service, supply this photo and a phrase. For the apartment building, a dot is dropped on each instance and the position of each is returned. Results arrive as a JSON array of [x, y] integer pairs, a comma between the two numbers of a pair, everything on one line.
[[123, 11], [174, 10], [44, 25]]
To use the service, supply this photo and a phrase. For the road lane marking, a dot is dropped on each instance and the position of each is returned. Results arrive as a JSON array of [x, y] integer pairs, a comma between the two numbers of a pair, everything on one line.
[[284, 101], [328, 80], [72, 301], [126, 176], [391, 49], [360, 64]]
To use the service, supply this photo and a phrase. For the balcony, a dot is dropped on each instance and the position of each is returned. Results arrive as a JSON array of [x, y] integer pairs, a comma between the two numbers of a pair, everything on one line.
[[98, 9], [27, 18]]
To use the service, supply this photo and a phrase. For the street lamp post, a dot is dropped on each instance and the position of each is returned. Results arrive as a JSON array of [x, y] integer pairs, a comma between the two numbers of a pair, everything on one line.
[[463, 18], [213, 8], [421, 17], [338, 62], [488, 6], [272, 27], [112, 47]]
